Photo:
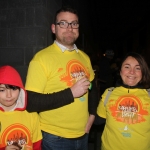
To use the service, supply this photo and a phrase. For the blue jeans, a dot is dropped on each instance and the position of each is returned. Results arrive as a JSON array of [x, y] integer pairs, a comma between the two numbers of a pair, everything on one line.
[[53, 142]]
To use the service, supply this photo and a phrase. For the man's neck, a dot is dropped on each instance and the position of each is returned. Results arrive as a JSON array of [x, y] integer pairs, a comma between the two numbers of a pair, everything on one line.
[[66, 46]]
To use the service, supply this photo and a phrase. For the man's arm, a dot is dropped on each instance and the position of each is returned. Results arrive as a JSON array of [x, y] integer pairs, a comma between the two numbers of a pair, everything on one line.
[[92, 106], [93, 99], [38, 102]]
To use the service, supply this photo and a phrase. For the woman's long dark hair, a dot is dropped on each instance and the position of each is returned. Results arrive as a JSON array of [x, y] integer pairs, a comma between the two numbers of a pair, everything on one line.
[[145, 81]]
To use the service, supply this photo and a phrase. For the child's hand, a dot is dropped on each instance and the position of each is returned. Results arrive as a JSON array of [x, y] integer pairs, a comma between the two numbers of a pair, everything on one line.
[[12, 147]]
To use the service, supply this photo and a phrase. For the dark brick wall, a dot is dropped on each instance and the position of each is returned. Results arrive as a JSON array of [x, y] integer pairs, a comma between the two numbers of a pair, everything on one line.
[[24, 30]]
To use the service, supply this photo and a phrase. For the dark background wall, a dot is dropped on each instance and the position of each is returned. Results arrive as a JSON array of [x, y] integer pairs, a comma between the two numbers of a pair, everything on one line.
[[24, 30]]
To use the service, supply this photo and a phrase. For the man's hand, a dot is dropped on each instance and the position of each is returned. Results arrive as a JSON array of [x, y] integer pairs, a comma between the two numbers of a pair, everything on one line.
[[89, 123], [80, 87]]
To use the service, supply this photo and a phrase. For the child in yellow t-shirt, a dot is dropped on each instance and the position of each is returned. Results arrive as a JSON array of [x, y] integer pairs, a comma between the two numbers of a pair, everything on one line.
[[19, 129]]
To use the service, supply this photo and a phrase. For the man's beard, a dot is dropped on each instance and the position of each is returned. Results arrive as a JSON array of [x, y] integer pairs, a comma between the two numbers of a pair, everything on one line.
[[69, 40]]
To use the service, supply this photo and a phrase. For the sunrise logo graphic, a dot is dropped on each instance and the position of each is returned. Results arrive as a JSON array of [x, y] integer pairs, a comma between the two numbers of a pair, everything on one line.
[[16, 134], [74, 72], [128, 109]]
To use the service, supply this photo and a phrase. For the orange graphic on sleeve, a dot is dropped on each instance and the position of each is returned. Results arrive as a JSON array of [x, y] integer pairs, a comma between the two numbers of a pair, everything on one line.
[[128, 109], [74, 72], [16, 134]]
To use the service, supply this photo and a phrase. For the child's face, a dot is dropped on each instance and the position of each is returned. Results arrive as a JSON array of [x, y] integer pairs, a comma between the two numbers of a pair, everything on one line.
[[8, 97]]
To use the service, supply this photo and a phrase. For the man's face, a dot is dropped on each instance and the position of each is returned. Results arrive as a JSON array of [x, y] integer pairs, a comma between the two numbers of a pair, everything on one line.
[[68, 36]]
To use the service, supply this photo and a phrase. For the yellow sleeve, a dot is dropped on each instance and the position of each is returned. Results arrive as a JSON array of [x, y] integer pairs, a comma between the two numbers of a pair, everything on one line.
[[101, 109], [36, 131], [36, 77]]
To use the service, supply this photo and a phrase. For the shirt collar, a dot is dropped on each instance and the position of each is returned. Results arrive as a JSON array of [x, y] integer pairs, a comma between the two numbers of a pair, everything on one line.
[[63, 48]]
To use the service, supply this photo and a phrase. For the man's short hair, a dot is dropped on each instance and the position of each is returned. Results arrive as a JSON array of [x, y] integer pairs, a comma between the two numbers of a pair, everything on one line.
[[65, 9]]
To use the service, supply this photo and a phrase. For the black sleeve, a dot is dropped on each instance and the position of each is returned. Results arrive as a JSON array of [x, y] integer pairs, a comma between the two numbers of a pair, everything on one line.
[[38, 102], [93, 99]]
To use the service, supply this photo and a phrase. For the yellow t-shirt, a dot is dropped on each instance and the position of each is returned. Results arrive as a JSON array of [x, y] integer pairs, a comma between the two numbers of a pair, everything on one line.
[[127, 114], [19, 128], [51, 71]]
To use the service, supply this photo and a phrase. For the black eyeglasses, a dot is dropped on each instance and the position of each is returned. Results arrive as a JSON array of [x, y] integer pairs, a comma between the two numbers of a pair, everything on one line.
[[64, 24]]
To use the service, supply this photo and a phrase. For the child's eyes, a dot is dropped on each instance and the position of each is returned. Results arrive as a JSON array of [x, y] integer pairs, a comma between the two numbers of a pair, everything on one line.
[[14, 89], [2, 90]]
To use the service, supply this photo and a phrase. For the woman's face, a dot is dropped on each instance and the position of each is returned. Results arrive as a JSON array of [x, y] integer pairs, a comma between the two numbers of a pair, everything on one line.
[[131, 71]]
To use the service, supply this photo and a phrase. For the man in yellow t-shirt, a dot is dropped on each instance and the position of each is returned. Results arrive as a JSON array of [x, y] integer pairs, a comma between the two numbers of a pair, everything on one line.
[[59, 78]]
